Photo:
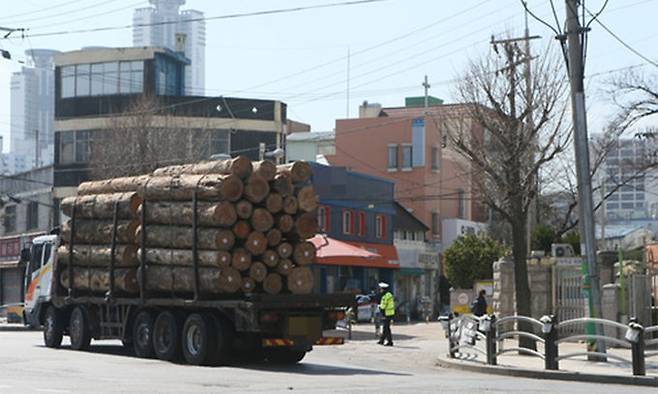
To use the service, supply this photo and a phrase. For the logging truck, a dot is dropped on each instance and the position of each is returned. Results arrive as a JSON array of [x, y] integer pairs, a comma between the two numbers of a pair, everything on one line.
[[207, 268]]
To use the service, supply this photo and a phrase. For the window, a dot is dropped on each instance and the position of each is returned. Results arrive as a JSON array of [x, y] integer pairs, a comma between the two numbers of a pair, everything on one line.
[[612, 205], [323, 219], [68, 81], [418, 142], [435, 158], [32, 216], [82, 146], [102, 78], [392, 157], [96, 79], [380, 226], [435, 223], [406, 156], [74, 146], [362, 224], [82, 80], [348, 222], [66, 147], [462, 204], [35, 258], [110, 78], [219, 142], [10, 219]]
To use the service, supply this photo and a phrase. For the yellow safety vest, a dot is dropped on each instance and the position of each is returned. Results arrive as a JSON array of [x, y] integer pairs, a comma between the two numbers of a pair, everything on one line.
[[387, 304]]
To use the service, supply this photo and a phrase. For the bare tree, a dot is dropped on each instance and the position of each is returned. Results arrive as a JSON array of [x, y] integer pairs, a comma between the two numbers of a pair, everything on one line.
[[517, 128]]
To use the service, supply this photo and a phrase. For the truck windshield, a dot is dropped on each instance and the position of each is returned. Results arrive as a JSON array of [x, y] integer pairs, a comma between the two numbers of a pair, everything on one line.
[[35, 258]]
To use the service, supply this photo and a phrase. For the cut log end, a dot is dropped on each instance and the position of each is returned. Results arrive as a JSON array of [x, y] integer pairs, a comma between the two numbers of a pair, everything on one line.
[[304, 253], [242, 229], [256, 243], [262, 220], [274, 237], [307, 199], [273, 284], [241, 259], [300, 280], [266, 169], [258, 271], [244, 209], [256, 188]]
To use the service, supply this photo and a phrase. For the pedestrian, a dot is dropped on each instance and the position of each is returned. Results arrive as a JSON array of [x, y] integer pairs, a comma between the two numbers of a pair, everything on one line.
[[479, 305], [387, 308]]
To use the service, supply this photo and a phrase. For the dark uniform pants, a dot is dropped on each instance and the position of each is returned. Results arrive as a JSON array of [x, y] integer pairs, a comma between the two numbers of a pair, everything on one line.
[[386, 332]]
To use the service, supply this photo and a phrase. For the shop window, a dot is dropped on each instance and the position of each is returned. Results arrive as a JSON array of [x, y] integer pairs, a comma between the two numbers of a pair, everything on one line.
[[380, 226], [348, 222], [323, 219]]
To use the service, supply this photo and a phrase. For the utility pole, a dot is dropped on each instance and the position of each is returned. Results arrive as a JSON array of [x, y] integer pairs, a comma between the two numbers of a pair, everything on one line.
[[347, 110], [427, 87], [574, 32], [37, 151]]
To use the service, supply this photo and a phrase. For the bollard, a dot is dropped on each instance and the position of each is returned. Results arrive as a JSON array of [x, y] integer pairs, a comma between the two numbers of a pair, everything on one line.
[[490, 329], [635, 335], [451, 344], [549, 329]]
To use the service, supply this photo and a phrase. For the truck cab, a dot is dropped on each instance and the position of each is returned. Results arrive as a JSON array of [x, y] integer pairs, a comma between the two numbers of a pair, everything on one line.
[[39, 277]]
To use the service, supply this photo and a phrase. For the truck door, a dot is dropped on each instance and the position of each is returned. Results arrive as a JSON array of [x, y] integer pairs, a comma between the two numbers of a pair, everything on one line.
[[32, 276]]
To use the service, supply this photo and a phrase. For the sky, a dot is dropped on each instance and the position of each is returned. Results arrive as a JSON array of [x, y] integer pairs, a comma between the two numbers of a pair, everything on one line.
[[301, 57]]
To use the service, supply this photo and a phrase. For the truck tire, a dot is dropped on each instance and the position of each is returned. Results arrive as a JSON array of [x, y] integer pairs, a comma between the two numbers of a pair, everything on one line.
[[79, 329], [198, 340], [285, 356], [222, 355], [143, 334], [167, 336], [53, 327]]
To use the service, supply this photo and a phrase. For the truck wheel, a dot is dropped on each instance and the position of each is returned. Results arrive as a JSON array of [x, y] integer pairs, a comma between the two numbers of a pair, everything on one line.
[[53, 327], [223, 338], [285, 356], [199, 342], [79, 330], [167, 337], [143, 334]]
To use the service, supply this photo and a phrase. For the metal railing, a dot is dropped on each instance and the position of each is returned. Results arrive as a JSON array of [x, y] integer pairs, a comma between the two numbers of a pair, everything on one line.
[[464, 332]]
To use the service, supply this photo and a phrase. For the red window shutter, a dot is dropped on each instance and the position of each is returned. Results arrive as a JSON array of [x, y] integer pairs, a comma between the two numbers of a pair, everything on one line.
[[327, 222], [352, 222]]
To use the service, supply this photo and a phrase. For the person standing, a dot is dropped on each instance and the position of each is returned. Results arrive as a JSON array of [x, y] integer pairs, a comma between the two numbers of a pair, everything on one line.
[[387, 308], [479, 306]]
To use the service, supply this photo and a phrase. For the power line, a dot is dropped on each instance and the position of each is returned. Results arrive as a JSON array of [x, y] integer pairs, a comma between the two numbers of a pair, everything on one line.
[[40, 10]]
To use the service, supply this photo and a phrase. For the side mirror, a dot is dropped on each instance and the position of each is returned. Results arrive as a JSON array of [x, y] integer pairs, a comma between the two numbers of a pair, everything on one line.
[[25, 254]]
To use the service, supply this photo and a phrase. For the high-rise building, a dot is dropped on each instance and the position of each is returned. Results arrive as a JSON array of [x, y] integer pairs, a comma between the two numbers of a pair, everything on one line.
[[33, 109], [158, 25]]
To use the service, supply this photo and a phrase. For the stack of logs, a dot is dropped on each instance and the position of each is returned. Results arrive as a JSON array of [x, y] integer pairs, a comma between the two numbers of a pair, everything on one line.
[[253, 221]]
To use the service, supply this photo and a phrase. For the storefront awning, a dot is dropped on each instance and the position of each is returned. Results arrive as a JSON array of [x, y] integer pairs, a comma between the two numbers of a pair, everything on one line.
[[6, 264], [334, 252]]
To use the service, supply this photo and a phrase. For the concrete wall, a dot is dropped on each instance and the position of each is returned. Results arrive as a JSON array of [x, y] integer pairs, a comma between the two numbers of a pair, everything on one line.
[[539, 278]]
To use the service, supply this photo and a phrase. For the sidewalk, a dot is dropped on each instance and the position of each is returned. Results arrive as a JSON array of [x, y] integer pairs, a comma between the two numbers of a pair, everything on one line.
[[4, 326]]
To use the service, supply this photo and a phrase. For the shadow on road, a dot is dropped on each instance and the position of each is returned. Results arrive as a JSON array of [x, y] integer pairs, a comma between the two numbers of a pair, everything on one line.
[[305, 368], [365, 336]]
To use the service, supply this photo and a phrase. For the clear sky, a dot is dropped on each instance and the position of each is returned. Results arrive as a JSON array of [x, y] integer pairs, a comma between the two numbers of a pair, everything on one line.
[[393, 44]]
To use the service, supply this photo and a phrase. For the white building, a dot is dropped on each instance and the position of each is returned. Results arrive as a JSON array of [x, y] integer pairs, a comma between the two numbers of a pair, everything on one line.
[[32, 108], [310, 146], [169, 22]]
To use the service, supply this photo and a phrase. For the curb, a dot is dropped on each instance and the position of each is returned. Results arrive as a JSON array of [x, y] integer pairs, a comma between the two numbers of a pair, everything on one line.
[[647, 381], [16, 328]]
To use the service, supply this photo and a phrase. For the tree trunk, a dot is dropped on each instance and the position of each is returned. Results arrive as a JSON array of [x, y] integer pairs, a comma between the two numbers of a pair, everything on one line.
[[522, 288], [285, 250], [266, 169], [282, 184], [113, 185], [88, 231], [307, 199], [248, 285], [256, 188], [290, 205], [306, 225], [304, 253], [210, 214], [97, 280], [262, 220], [274, 202], [241, 259], [270, 258], [300, 280], [242, 229], [244, 209], [240, 166], [285, 223], [177, 237], [258, 271], [99, 255], [208, 187], [256, 243], [272, 284], [161, 278], [284, 267], [274, 237], [183, 257], [300, 171], [101, 206]]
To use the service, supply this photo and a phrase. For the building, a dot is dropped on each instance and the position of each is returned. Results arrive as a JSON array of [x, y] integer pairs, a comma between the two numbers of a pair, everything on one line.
[[455, 228], [157, 26], [11, 163], [310, 146], [32, 110], [624, 236], [26, 202], [356, 218], [118, 106], [408, 145]]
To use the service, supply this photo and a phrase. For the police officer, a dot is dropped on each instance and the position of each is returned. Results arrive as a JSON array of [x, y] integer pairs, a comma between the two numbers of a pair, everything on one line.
[[387, 308]]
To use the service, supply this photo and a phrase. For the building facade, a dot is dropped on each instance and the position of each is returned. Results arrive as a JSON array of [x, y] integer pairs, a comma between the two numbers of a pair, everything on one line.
[[26, 203], [310, 146], [32, 109], [167, 21]]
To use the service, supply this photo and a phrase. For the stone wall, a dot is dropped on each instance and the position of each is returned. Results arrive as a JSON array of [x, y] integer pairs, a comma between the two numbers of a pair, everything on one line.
[[539, 277]]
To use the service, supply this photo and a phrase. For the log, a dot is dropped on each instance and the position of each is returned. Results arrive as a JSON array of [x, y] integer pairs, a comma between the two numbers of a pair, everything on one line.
[[282, 183], [248, 285], [99, 255], [261, 220], [88, 231], [300, 280], [113, 185], [256, 188], [242, 229], [290, 205], [240, 166], [307, 200], [244, 209], [265, 168], [101, 206], [285, 223], [258, 271], [177, 237], [210, 214], [230, 280], [306, 225], [270, 258], [285, 250], [256, 243], [274, 202], [304, 253], [161, 278], [183, 257], [98, 279], [241, 259], [274, 237], [273, 284], [300, 171], [284, 267], [208, 187]]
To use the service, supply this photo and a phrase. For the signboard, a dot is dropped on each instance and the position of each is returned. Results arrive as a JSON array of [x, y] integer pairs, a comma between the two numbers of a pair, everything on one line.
[[428, 260]]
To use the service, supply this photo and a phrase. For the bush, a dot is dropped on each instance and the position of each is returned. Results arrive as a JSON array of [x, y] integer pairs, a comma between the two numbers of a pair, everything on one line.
[[470, 258]]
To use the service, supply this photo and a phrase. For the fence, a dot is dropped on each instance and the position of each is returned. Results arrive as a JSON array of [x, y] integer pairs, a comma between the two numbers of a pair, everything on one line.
[[470, 337]]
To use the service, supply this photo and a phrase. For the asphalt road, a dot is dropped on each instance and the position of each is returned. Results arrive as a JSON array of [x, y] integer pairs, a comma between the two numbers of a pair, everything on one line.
[[360, 366]]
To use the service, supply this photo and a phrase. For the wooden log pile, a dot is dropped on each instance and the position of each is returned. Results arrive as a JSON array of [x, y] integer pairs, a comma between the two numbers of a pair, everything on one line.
[[253, 220]]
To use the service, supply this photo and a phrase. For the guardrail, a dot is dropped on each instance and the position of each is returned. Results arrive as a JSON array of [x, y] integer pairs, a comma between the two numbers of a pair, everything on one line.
[[464, 332]]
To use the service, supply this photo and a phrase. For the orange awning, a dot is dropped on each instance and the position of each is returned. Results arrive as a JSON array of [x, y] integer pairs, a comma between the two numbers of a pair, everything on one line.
[[334, 252]]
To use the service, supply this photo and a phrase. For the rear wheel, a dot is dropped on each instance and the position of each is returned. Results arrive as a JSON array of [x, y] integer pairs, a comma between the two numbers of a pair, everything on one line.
[[143, 334], [53, 327], [198, 340], [167, 337], [223, 333], [79, 330]]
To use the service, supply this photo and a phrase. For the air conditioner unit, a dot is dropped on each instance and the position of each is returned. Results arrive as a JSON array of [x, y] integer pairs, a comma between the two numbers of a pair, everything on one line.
[[562, 250]]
